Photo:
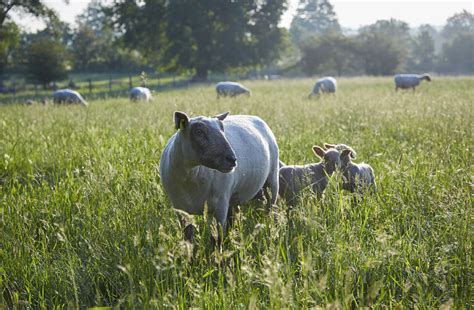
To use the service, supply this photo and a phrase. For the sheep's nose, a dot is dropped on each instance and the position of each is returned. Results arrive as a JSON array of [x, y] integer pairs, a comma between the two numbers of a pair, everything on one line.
[[231, 159]]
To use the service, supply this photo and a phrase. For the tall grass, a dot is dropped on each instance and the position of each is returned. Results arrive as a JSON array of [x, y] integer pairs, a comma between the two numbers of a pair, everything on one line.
[[84, 220]]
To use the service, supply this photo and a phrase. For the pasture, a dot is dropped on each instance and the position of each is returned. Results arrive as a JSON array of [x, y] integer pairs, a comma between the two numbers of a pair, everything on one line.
[[84, 221]]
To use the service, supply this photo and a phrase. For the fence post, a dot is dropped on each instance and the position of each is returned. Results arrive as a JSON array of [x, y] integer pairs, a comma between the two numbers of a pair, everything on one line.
[[130, 81], [110, 84], [174, 80], [90, 86], [36, 89]]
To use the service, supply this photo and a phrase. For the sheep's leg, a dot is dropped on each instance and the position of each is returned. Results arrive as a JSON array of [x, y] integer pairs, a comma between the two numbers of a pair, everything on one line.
[[221, 209], [188, 229], [274, 186]]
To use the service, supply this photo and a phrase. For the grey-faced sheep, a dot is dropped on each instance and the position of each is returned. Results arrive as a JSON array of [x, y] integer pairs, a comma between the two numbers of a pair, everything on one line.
[[231, 89], [325, 85], [405, 81], [356, 177], [140, 93], [293, 179], [221, 161], [68, 96]]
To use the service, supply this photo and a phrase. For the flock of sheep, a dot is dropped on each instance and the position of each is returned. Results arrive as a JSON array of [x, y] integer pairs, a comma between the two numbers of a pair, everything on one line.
[[224, 161], [324, 85]]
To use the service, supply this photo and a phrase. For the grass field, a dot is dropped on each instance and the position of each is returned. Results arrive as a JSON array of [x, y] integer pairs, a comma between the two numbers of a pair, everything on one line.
[[84, 221]]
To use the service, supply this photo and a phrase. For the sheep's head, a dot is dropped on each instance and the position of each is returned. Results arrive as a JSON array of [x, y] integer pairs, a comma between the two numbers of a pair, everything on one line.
[[204, 142], [330, 158], [426, 77]]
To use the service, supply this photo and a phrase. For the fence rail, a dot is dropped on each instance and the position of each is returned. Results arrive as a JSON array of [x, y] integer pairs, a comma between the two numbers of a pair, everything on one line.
[[96, 86]]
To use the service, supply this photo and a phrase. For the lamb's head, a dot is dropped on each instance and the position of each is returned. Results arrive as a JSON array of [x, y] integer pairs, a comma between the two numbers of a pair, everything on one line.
[[346, 157], [204, 143], [330, 158]]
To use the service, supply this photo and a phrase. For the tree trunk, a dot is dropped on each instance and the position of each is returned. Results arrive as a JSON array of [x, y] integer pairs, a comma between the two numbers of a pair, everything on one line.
[[201, 75]]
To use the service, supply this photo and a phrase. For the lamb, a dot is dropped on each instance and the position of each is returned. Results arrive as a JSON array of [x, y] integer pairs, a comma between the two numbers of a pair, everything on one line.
[[231, 89], [405, 81], [68, 96], [293, 179], [221, 161], [325, 85], [356, 177], [140, 93]]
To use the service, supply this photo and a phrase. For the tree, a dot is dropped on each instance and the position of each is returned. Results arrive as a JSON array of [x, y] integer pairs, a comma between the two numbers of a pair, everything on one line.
[[202, 36], [313, 18], [458, 54], [458, 49], [424, 49], [34, 7], [46, 61], [9, 39], [458, 24], [380, 55], [328, 54], [384, 46]]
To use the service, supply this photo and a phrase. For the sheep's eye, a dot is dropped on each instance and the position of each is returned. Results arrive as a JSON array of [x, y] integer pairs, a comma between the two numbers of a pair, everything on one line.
[[199, 132]]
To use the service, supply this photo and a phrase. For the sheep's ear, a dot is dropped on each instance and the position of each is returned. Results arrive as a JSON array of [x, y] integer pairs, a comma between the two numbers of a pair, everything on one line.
[[318, 151], [222, 116], [329, 146], [181, 120]]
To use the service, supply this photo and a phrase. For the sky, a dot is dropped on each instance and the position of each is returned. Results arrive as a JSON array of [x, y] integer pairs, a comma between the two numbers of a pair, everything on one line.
[[351, 13]]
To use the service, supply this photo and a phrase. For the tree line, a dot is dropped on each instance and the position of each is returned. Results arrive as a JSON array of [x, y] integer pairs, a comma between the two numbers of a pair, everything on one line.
[[202, 37]]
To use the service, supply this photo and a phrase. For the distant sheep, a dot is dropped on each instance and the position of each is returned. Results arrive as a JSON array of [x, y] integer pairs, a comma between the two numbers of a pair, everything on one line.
[[68, 96], [231, 89], [140, 93], [356, 177], [220, 162], [325, 85], [405, 81], [293, 179]]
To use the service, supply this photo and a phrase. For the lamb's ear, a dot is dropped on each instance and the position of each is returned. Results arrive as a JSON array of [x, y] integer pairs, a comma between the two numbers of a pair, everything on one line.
[[181, 120], [318, 151], [329, 146], [347, 152], [222, 116]]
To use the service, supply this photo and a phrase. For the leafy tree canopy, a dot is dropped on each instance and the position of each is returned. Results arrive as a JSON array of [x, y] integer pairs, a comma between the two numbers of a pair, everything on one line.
[[202, 36], [46, 61], [313, 18]]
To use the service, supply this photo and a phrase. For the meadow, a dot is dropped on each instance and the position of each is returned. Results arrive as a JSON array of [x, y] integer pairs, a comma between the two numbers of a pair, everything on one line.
[[85, 222]]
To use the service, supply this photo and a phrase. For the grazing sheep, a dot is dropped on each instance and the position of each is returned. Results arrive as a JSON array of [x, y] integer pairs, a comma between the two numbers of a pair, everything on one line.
[[68, 96], [356, 177], [405, 81], [140, 93], [231, 89], [221, 161], [293, 179], [325, 85]]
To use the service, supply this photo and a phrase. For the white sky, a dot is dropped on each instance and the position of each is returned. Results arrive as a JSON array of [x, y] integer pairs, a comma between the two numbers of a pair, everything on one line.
[[351, 13]]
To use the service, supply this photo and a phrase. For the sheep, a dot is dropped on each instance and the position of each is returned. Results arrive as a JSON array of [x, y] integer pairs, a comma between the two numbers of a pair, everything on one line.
[[293, 179], [68, 96], [326, 84], [405, 81], [356, 177], [140, 93], [231, 89], [221, 161]]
